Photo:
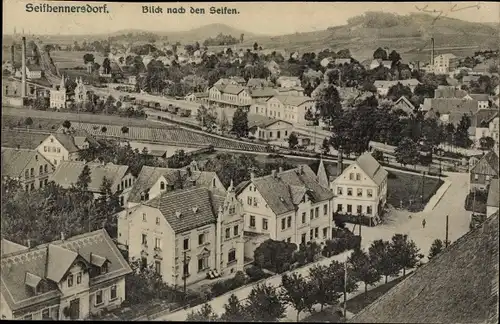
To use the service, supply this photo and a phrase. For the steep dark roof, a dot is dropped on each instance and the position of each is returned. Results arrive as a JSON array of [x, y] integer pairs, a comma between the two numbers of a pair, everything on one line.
[[25, 140], [14, 160], [263, 121], [487, 165], [186, 209], [50, 261], [493, 194], [372, 168], [447, 105], [449, 92], [460, 285], [482, 117]]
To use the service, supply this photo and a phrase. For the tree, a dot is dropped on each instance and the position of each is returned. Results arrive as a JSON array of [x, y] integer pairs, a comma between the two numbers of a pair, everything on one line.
[[293, 141], [403, 252], [125, 130], [322, 283], [394, 57], [28, 122], [84, 179], [325, 146], [255, 46], [436, 248], [204, 314], [88, 58], [264, 304], [207, 117], [379, 253], [234, 310], [378, 155], [104, 129], [380, 53], [274, 255], [106, 64], [363, 268], [224, 122], [242, 38], [296, 292], [240, 122], [486, 143], [328, 104], [66, 124], [179, 159], [462, 132], [396, 91], [407, 152]]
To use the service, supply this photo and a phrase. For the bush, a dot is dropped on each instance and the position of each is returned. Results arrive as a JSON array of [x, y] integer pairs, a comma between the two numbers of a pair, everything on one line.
[[338, 245], [223, 286], [255, 273], [355, 219]]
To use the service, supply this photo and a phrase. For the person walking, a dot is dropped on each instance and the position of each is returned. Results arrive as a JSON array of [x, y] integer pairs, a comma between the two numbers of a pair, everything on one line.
[[423, 223]]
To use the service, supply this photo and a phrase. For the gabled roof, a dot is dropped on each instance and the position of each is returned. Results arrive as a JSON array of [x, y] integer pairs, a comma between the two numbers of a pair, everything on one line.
[[388, 84], [372, 168], [293, 100], [480, 96], [448, 105], [322, 175], [493, 194], [67, 174], [186, 209], [256, 82], [263, 121], [178, 178], [487, 165], [405, 100], [14, 161], [8, 247], [460, 285], [449, 92], [262, 92], [280, 192], [482, 117], [233, 89], [52, 260]]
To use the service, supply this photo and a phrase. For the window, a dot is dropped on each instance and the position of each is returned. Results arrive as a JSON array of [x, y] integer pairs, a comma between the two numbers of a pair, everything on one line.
[[78, 278], [359, 192], [339, 191], [303, 238], [325, 232], [26, 174], [349, 191], [186, 244], [158, 266], [144, 218], [283, 223], [213, 183], [144, 263], [289, 222], [70, 280], [28, 317], [55, 162], [369, 192], [255, 202], [311, 214], [113, 292], [45, 168], [359, 209], [349, 208], [264, 224], [252, 221], [41, 169], [98, 297], [339, 207], [358, 176], [228, 233], [144, 239], [185, 269], [351, 176], [157, 220], [58, 150], [316, 232], [45, 148], [369, 210], [32, 172], [201, 239], [40, 184], [316, 212], [32, 186], [249, 200], [46, 313], [235, 230], [162, 185], [304, 218], [311, 233], [157, 243], [202, 263], [104, 268], [231, 256]]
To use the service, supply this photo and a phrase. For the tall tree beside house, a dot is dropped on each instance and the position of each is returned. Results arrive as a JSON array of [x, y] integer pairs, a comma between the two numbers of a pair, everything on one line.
[[28, 122], [88, 57], [293, 141], [205, 314], [325, 146], [234, 311], [323, 288], [84, 179], [363, 268], [394, 57], [240, 123], [462, 132], [125, 129], [486, 143], [397, 91], [407, 152], [436, 248], [265, 305], [275, 256], [328, 104], [379, 252], [404, 252], [296, 291], [450, 134], [107, 205], [224, 122], [255, 46], [66, 124], [104, 129], [179, 160], [380, 53]]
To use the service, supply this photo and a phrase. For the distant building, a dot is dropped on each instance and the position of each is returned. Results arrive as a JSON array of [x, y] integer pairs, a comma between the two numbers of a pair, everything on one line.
[[71, 278], [201, 97], [405, 105], [230, 96], [483, 100], [289, 108], [445, 63], [268, 129], [33, 72], [384, 86], [288, 82], [30, 167], [449, 92], [58, 147], [483, 125], [59, 96], [80, 91], [378, 62], [449, 110]]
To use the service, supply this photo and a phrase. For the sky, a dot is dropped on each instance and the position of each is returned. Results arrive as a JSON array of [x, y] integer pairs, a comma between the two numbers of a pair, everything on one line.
[[265, 18]]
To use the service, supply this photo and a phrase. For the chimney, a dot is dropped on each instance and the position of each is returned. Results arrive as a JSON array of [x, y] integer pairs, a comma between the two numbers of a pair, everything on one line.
[[195, 210], [12, 49], [62, 236], [432, 51], [23, 68], [18, 146], [252, 175], [340, 164], [273, 173], [301, 169], [280, 170], [178, 214], [29, 244]]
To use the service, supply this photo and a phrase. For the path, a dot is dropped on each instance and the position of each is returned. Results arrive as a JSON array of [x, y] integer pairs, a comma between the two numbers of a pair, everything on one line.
[[452, 203]]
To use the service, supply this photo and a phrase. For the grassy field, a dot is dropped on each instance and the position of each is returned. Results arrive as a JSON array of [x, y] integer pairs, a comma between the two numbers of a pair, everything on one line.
[[38, 123], [68, 60], [22, 139]]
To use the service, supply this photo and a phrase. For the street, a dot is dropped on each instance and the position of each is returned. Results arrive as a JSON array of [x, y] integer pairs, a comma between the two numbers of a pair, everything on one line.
[[452, 204]]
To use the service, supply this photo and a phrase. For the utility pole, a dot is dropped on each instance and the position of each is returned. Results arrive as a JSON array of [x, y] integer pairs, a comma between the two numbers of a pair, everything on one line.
[[423, 185], [359, 214], [345, 289], [446, 237]]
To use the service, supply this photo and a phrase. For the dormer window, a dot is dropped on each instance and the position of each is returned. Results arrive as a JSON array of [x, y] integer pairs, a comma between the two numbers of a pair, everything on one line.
[[104, 268], [78, 278], [162, 185]]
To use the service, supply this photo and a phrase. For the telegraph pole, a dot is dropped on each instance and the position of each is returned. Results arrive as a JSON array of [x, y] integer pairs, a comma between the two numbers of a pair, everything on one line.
[[345, 289], [184, 276], [423, 185], [446, 237]]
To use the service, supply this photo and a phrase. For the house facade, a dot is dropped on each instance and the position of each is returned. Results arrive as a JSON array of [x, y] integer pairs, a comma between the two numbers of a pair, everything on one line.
[[29, 166], [230, 96], [183, 233], [445, 63], [33, 72], [58, 96], [384, 86], [361, 188], [270, 130], [289, 108], [288, 82], [484, 172], [60, 147], [286, 206], [66, 279]]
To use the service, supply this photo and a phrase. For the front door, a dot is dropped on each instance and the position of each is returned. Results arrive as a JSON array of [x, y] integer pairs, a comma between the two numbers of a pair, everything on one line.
[[74, 308]]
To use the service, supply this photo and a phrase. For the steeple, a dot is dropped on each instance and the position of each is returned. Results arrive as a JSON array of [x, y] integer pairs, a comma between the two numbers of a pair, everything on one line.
[[62, 85], [231, 186], [322, 175]]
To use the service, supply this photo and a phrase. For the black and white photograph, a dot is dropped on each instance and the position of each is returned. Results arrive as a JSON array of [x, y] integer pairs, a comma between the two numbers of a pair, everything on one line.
[[332, 162]]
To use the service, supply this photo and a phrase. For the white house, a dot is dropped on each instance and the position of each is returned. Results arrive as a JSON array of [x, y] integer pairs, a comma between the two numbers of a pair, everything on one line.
[[361, 188], [288, 82], [33, 72], [445, 63], [269, 129], [188, 234], [68, 279], [59, 96], [384, 86], [59, 147], [289, 108], [230, 96], [483, 100], [286, 206]]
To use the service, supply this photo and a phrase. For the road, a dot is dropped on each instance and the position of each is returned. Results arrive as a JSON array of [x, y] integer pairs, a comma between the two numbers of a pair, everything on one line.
[[451, 203]]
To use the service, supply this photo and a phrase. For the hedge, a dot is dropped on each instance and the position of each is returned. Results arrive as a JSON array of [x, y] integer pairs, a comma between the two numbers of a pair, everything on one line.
[[355, 219], [338, 245], [223, 286], [255, 273]]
